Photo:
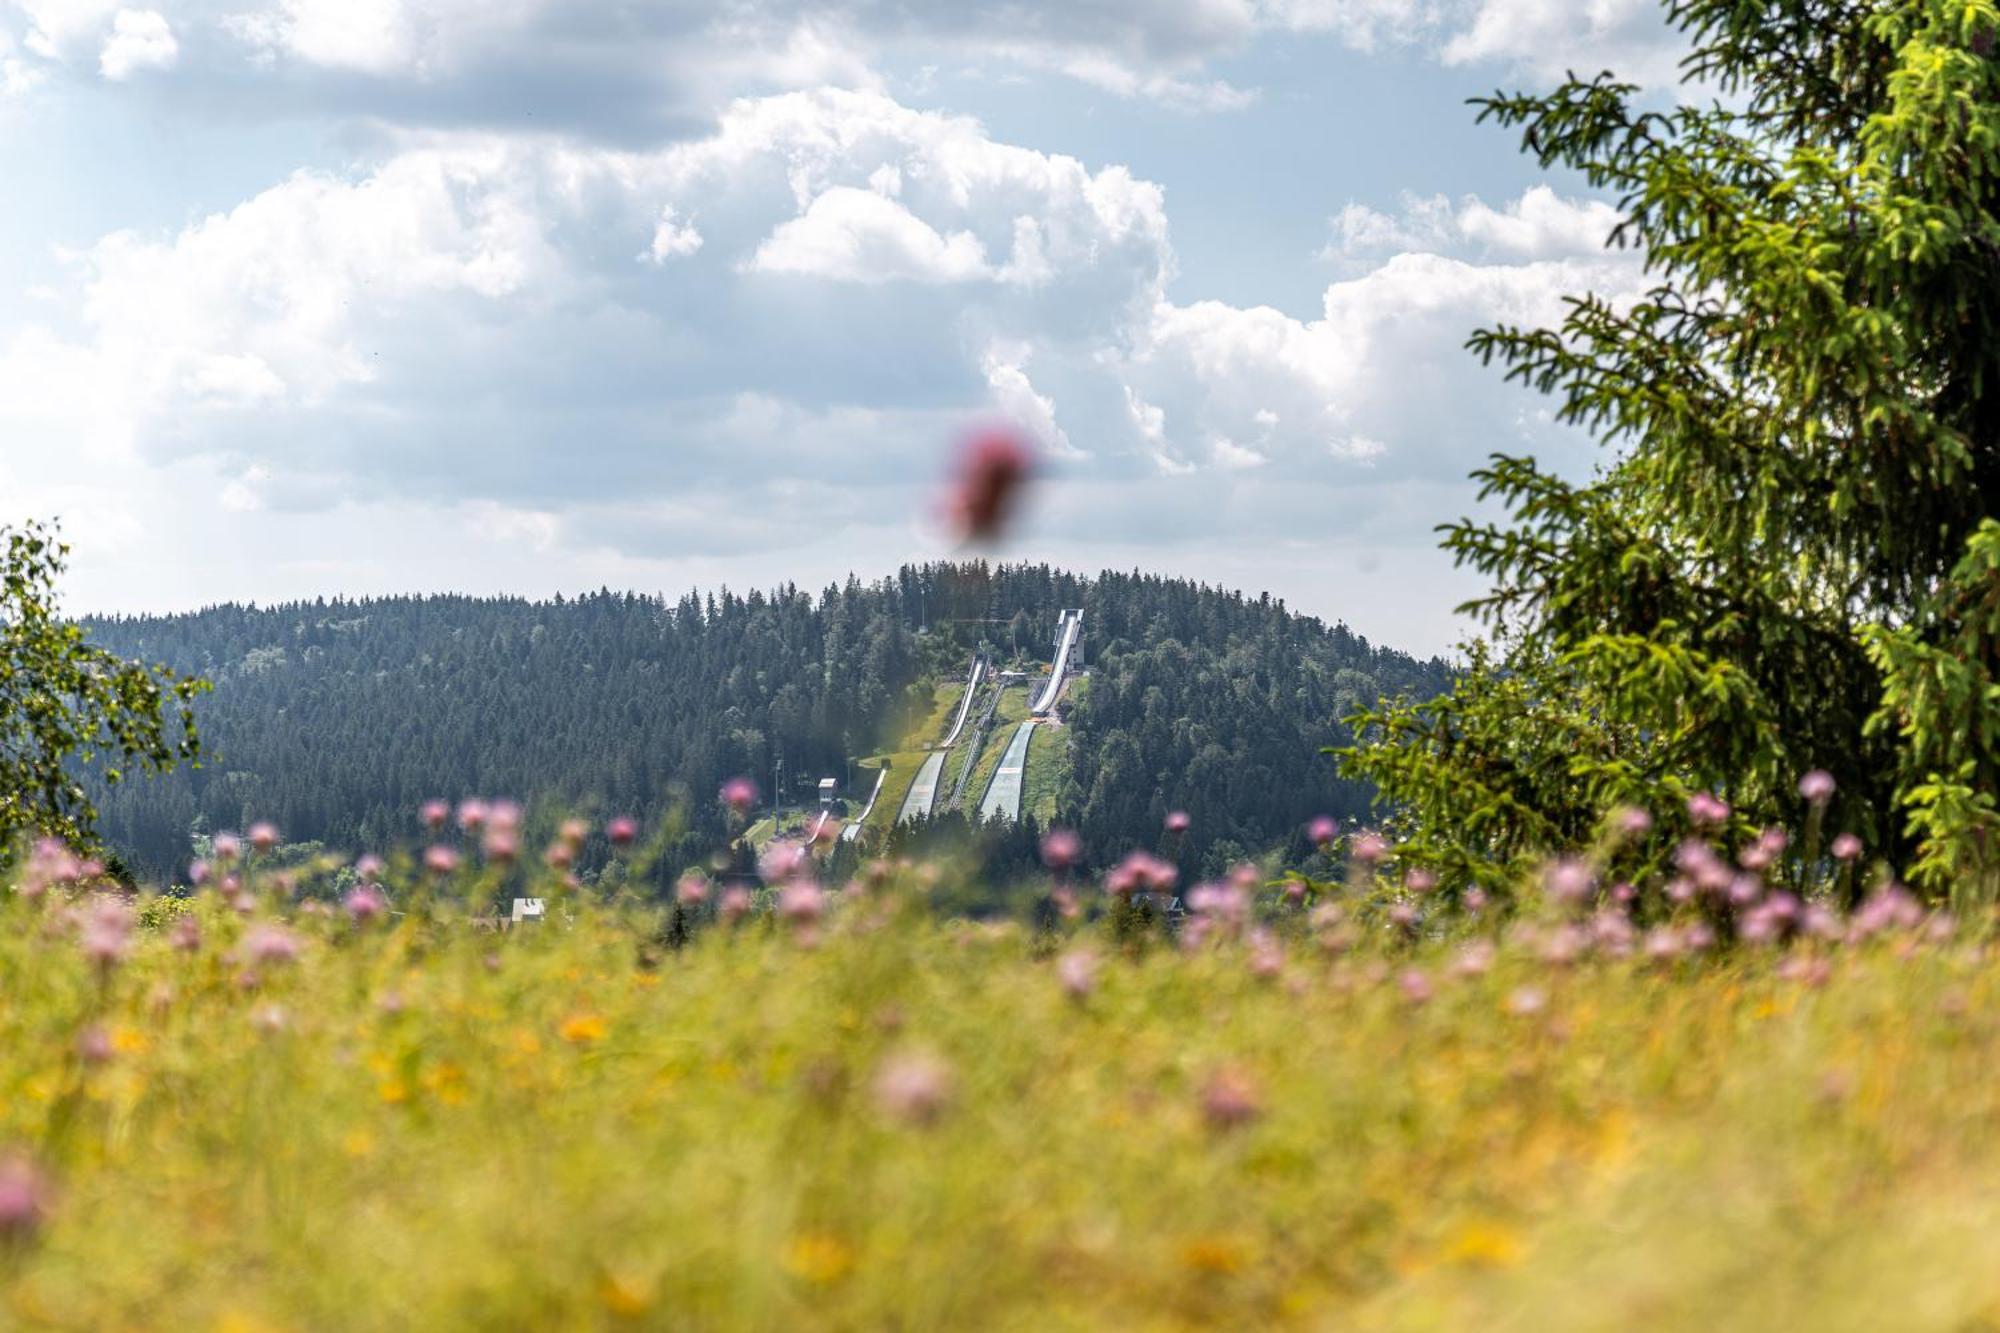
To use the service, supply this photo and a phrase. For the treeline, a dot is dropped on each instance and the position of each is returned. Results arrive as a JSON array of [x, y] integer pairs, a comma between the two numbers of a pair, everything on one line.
[[336, 719]]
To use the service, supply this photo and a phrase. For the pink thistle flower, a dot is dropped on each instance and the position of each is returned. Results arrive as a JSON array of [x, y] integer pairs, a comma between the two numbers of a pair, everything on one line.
[[93, 1045], [198, 873], [781, 860], [107, 933], [1821, 922], [226, 847], [1527, 1000], [1403, 917], [1817, 786], [1077, 971], [739, 794], [734, 904], [269, 945], [1563, 946], [1632, 822], [1474, 960], [801, 903], [1473, 900], [472, 814], [1061, 849], [500, 844], [1663, 944], [1845, 847], [434, 814], [991, 471], [914, 1087], [1267, 955], [1420, 881], [504, 815], [623, 831], [263, 837], [1707, 809], [440, 860], [369, 868], [1370, 849], [1323, 831], [1177, 822], [186, 933], [1416, 987], [1611, 931], [574, 831], [1295, 890], [365, 904], [1569, 882], [1230, 1099], [559, 855], [692, 890], [25, 1198]]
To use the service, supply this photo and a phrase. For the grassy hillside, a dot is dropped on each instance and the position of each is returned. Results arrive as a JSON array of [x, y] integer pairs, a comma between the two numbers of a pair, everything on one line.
[[306, 1123]]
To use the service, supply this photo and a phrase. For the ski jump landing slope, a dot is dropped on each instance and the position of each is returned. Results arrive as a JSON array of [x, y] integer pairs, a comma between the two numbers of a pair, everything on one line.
[[1003, 794]]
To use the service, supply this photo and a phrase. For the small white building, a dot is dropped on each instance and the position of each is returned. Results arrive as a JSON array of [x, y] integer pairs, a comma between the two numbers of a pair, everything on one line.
[[827, 788], [529, 909]]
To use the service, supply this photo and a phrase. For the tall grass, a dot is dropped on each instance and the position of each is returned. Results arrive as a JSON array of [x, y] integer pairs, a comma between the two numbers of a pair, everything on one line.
[[852, 1116]]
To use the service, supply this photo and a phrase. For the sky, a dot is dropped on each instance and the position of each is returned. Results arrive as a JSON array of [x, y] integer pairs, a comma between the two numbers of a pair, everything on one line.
[[302, 298]]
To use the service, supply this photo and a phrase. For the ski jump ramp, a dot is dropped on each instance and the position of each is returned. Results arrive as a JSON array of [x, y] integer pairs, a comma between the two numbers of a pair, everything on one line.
[[923, 791], [1067, 630]]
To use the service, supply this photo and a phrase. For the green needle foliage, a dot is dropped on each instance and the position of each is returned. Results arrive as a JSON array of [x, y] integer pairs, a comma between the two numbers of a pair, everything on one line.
[[1790, 559], [67, 705]]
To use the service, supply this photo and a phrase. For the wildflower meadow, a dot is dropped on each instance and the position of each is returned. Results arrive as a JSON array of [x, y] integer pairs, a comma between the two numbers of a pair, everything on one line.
[[801, 1105]]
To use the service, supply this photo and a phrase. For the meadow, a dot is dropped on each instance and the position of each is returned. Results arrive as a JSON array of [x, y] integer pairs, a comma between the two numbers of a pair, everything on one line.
[[1312, 1107]]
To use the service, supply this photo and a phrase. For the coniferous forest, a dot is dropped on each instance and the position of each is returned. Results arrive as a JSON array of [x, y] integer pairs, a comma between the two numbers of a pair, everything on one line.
[[335, 719]]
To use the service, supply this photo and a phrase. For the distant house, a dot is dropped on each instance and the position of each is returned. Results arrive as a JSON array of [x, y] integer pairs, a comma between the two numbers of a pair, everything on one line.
[[827, 788], [529, 909]]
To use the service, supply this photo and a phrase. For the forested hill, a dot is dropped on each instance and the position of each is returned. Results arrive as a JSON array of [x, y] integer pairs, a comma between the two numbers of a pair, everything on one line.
[[336, 718]]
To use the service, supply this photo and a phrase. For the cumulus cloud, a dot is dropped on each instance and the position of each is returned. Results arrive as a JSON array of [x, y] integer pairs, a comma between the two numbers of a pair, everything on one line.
[[857, 235], [635, 73], [140, 39], [1540, 224], [861, 267], [1552, 37]]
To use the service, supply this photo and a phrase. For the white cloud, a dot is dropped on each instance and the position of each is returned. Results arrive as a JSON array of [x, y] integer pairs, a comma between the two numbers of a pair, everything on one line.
[[613, 70], [62, 29], [673, 238], [140, 39], [532, 337], [1015, 396], [1552, 37], [855, 235], [1539, 225]]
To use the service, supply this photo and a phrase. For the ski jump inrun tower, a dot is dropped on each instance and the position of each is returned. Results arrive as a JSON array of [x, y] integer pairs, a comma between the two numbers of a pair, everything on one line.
[[1069, 630]]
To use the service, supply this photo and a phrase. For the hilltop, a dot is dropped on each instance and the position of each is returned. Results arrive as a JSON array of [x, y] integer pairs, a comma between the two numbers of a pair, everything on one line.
[[336, 718]]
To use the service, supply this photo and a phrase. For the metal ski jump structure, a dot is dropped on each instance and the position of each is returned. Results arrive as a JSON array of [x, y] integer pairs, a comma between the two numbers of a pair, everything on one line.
[[853, 829], [1067, 630], [965, 703]]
